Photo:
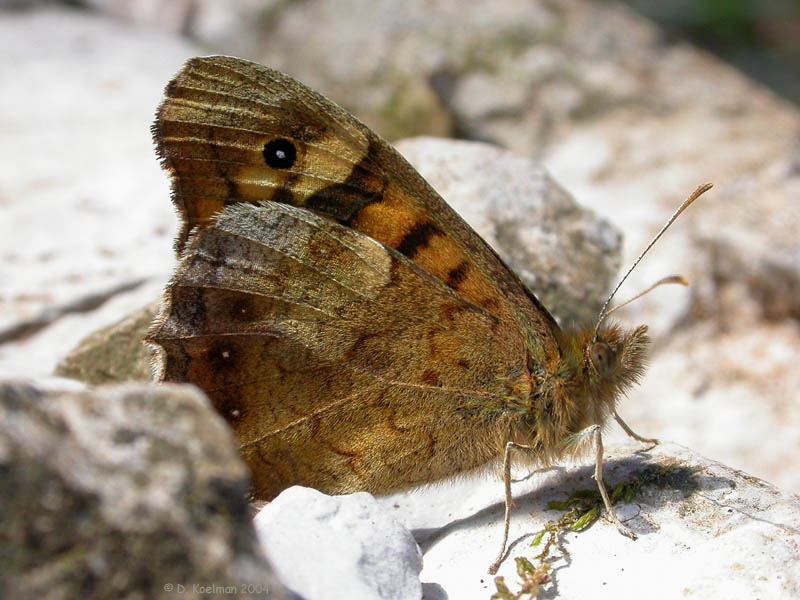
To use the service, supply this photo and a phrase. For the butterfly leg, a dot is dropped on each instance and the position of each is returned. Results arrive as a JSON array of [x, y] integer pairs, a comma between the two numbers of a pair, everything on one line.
[[598, 476], [632, 433], [509, 501]]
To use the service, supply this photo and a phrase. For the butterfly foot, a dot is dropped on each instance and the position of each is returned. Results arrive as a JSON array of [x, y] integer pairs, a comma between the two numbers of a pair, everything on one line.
[[626, 531], [653, 441]]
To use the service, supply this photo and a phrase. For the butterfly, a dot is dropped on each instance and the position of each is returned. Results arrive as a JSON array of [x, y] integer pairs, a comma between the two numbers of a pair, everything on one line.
[[354, 331]]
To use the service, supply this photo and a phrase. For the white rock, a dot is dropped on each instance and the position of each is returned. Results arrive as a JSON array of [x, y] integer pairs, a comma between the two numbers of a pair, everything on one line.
[[705, 531], [87, 206], [327, 546]]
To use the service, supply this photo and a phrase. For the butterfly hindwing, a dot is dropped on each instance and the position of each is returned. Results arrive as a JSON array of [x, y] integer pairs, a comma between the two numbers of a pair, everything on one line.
[[334, 357]]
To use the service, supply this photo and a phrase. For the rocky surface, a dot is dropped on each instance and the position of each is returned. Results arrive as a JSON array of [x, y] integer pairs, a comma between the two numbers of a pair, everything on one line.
[[705, 531], [126, 492], [114, 354], [92, 230], [625, 119], [322, 545]]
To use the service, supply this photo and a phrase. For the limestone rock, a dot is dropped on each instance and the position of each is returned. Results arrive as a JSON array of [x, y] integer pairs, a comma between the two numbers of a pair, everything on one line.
[[114, 354], [91, 222], [126, 492], [705, 530], [324, 547]]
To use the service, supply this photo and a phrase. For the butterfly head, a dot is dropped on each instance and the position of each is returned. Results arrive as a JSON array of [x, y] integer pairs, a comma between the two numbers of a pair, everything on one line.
[[595, 372], [614, 360], [605, 365]]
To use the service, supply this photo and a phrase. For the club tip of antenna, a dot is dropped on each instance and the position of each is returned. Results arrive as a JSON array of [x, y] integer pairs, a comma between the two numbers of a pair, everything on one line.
[[701, 189], [676, 279]]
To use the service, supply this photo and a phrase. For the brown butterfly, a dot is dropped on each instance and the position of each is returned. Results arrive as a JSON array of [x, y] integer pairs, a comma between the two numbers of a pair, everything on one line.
[[355, 332]]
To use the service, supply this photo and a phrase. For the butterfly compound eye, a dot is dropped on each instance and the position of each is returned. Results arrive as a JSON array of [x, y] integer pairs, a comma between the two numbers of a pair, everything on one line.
[[603, 358], [280, 153]]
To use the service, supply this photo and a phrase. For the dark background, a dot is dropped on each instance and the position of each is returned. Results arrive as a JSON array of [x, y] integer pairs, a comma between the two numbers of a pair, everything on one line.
[[760, 37]]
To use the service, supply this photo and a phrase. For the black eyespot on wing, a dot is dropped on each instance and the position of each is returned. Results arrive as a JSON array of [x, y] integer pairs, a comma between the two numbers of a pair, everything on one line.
[[280, 153]]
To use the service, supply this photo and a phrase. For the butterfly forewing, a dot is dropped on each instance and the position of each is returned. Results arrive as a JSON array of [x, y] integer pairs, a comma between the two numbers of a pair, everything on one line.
[[231, 131]]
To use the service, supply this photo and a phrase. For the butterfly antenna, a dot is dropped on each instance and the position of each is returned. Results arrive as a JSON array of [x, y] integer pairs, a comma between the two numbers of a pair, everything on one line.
[[671, 279], [695, 195]]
